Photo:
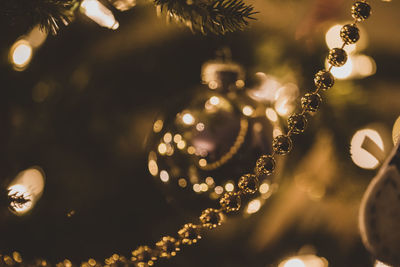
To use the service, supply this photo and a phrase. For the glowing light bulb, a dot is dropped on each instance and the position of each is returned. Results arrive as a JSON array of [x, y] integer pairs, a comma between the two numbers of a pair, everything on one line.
[[396, 131], [380, 264], [271, 114], [229, 187], [164, 176], [248, 110], [214, 100], [294, 263], [253, 206], [360, 156], [99, 14], [20, 54], [25, 190], [188, 119], [153, 167]]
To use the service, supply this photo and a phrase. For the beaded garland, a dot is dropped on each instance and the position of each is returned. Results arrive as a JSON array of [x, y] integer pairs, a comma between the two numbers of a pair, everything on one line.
[[211, 218]]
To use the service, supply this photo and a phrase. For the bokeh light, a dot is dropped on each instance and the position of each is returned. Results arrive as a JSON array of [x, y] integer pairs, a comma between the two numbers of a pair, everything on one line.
[[360, 156]]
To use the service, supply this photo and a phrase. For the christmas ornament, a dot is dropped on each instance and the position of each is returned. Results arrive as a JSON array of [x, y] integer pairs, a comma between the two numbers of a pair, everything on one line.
[[379, 218], [219, 131]]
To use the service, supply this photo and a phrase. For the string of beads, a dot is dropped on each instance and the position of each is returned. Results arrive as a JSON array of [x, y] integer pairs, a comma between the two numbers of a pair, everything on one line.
[[248, 184]]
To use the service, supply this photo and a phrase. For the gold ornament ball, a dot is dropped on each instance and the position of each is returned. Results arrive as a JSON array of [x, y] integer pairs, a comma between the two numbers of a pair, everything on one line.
[[282, 144], [144, 256], [311, 102]]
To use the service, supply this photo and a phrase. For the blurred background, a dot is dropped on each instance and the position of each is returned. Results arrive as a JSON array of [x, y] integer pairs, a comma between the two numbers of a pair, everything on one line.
[[103, 127]]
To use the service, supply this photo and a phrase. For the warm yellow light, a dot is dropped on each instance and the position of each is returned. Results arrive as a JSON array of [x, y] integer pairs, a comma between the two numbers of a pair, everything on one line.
[[153, 167], [200, 127], [203, 187], [213, 85], [167, 137], [219, 189], [182, 182], [28, 184], [21, 54], [359, 155], [188, 119], [36, 36], [202, 162], [264, 188], [294, 263], [334, 40], [99, 14], [196, 188], [158, 125], [248, 110], [343, 72], [214, 100], [229, 187], [191, 150], [209, 181], [282, 106], [162, 148], [271, 114], [239, 84], [253, 206], [181, 144], [277, 131], [380, 264], [177, 138], [164, 176], [364, 65]]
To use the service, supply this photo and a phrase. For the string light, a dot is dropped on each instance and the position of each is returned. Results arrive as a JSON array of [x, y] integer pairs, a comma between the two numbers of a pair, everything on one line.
[[99, 14]]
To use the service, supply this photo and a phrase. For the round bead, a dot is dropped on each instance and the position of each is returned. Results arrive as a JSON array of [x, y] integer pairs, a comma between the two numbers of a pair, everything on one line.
[[230, 202], [168, 247], [311, 102], [211, 218], [282, 144], [350, 34], [361, 10], [189, 234], [324, 79], [265, 165], [248, 184], [337, 57], [143, 256], [297, 123]]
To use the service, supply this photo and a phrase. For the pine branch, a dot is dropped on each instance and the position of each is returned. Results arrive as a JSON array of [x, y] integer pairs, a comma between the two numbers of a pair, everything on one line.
[[49, 14], [214, 16]]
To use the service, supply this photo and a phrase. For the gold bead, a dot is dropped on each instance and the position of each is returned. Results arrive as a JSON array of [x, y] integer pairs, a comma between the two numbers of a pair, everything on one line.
[[350, 34], [265, 165], [211, 218], [361, 10], [189, 234], [282, 144], [231, 201], [311, 102], [297, 123], [337, 57], [248, 183], [144, 256], [324, 80], [168, 247]]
